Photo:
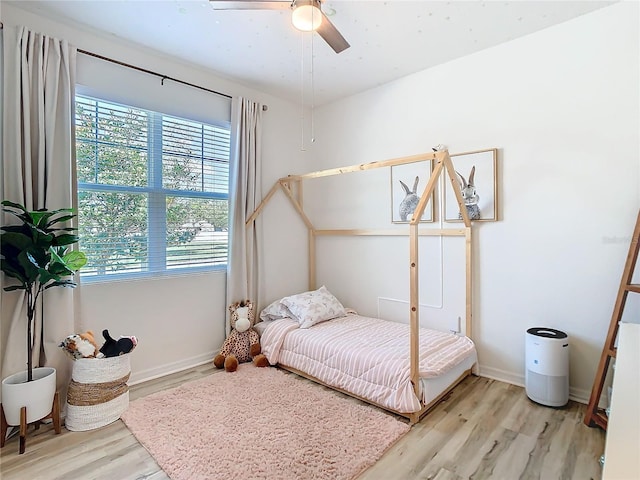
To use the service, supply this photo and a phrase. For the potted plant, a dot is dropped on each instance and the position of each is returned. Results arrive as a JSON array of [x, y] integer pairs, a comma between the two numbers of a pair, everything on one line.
[[36, 254]]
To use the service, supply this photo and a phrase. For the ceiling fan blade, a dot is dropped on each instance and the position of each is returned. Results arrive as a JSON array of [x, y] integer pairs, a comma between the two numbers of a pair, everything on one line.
[[250, 4], [331, 35]]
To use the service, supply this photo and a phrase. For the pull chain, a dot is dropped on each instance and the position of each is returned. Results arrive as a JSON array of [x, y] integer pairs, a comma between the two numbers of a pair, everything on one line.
[[302, 93], [313, 92]]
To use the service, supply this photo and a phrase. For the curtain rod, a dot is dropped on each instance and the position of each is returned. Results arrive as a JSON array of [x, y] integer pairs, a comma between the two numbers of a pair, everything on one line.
[[150, 72], [162, 76]]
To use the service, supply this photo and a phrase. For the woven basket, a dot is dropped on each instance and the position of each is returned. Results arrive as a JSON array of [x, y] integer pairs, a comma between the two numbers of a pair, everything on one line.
[[98, 393]]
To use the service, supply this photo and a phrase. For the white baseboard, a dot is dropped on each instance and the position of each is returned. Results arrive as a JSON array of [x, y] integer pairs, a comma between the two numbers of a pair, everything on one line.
[[502, 375], [580, 395], [577, 394], [169, 368]]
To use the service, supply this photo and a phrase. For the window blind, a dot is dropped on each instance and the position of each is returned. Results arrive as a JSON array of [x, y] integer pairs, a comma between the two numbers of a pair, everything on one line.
[[153, 190]]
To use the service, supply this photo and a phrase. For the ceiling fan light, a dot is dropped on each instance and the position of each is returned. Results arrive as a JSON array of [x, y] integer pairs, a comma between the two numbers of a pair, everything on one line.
[[306, 17]]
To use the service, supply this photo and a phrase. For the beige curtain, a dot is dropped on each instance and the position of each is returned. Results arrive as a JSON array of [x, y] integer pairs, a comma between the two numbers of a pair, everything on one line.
[[38, 171], [246, 193]]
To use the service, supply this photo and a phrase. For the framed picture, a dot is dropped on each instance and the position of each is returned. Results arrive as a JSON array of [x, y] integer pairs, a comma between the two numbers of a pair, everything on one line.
[[408, 181], [478, 179]]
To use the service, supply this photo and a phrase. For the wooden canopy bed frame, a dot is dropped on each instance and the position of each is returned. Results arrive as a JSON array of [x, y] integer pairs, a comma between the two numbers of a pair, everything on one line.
[[292, 187]]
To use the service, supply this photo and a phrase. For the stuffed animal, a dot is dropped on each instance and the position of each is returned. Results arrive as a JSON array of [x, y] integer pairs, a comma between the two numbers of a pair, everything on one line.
[[113, 348], [243, 343], [80, 345]]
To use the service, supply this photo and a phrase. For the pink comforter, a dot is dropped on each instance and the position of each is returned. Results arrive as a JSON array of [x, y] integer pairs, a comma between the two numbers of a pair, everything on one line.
[[366, 356]]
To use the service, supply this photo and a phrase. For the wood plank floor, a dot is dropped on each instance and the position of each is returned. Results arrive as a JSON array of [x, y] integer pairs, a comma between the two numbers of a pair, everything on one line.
[[483, 429]]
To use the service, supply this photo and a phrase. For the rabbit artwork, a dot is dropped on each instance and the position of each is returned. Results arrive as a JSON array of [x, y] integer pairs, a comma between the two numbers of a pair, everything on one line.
[[470, 196], [410, 201]]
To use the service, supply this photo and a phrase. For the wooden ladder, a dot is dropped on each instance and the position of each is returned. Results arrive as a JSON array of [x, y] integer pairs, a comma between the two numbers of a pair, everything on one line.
[[594, 415]]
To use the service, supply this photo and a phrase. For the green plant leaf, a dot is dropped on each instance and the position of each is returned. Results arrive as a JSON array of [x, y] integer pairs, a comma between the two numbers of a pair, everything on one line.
[[17, 206], [14, 287], [61, 283], [36, 257], [66, 229], [40, 217], [41, 238], [46, 276], [75, 260], [17, 240], [56, 254], [63, 210], [57, 265], [33, 251], [62, 219], [29, 264], [65, 239], [60, 269], [23, 229], [14, 271]]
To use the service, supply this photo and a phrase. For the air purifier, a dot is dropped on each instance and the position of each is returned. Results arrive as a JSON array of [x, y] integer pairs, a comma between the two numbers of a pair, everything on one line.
[[547, 366]]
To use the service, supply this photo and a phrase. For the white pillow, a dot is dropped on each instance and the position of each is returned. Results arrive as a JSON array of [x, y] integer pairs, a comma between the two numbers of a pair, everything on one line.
[[275, 311], [313, 307]]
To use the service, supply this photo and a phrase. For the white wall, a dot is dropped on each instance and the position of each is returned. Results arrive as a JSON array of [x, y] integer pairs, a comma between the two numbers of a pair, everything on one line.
[[179, 320], [562, 105]]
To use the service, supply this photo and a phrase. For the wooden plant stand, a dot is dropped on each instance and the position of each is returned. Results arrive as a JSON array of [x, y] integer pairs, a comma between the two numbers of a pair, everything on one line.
[[54, 415]]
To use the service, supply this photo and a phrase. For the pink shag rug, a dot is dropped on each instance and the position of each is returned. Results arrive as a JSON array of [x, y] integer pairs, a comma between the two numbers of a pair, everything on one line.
[[260, 423]]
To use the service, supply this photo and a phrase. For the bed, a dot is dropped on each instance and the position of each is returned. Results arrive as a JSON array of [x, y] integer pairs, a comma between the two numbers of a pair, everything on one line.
[[400, 367], [365, 357]]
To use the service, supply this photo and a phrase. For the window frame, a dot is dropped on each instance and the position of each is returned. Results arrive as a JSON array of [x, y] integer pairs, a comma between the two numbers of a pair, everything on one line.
[[156, 262]]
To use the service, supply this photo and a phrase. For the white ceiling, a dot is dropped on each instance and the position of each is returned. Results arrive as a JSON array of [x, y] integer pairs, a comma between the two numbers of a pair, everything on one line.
[[259, 48]]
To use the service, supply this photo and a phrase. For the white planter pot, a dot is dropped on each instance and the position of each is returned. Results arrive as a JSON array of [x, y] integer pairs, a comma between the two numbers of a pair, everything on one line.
[[36, 395]]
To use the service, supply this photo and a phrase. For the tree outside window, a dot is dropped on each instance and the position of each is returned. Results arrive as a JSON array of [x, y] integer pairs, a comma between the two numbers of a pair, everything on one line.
[[153, 190]]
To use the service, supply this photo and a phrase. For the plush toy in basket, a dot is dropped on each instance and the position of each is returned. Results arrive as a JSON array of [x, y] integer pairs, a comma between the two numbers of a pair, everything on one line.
[[80, 345], [113, 348], [98, 392], [243, 343], [83, 345]]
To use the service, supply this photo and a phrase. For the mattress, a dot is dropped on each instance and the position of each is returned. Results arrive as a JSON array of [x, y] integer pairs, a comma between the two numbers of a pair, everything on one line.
[[369, 357]]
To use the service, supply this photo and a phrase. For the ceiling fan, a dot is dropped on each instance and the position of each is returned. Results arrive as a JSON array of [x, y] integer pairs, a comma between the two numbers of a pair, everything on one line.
[[306, 15]]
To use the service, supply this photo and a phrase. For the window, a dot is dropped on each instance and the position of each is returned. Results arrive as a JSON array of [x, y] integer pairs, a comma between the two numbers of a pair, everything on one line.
[[153, 191]]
